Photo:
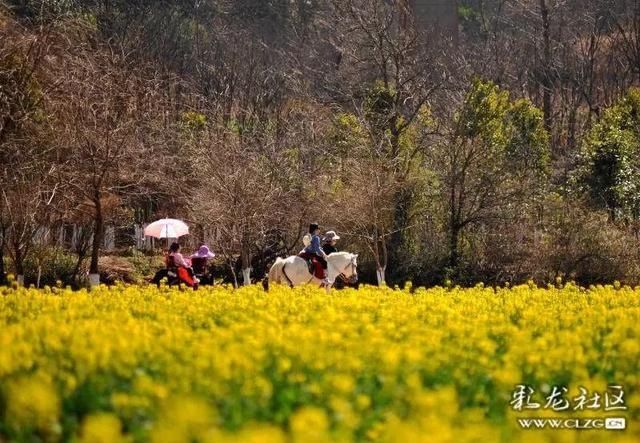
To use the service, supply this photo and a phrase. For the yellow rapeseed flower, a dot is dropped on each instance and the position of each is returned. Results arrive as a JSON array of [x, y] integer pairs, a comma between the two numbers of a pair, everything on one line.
[[133, 363]]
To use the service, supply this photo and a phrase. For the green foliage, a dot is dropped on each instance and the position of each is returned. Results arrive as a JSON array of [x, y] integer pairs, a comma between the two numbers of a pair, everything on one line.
[[55, 265], [145, 265], [193, 121], [379, 106], [610, 170], [249, 124], [347, 133], [472, 20], [493, 164], [483, 113], [466, 13], [91, 20], [386, 124], [510, 131], [528, 141], [380, 113]]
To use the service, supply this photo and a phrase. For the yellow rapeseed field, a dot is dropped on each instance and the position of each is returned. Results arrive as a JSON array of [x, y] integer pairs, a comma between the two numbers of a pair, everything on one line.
[[134, 364]]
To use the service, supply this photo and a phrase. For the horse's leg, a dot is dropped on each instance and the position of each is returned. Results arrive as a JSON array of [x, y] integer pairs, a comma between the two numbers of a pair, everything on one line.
[[316, 282], [332, 274], [322, 284]]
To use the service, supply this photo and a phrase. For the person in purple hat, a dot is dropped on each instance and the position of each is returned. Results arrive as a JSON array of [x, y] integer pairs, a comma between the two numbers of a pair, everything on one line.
[[199, 263]]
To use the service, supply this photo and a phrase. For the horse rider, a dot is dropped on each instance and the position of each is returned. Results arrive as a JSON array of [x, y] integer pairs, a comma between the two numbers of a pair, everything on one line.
[[329, 241], [314, 250]]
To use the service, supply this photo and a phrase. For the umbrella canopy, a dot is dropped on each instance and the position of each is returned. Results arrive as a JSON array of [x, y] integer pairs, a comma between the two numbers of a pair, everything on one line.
[[167, 228]]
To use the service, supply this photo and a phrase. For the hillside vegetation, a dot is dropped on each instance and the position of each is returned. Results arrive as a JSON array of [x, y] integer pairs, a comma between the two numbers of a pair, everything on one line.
[[501, 150]]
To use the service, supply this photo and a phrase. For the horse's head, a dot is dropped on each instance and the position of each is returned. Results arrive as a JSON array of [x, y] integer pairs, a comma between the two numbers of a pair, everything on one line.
[[347, 265], [354, 265]]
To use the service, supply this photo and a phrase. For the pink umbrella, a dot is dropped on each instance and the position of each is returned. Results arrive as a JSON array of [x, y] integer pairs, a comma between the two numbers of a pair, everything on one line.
[[167, 228]]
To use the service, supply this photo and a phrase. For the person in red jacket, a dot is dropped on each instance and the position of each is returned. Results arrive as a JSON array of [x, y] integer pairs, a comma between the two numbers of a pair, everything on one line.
[[176, 262]]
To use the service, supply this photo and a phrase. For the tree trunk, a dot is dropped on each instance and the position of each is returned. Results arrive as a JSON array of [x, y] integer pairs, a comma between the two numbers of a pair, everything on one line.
[[233, 272], [381, 255], [246, 276], [246, 267], [19, 265], [397, 239], [546, 68], [98, 234], [454, 254], [76, 268], [401, 201], [454, 225], [380, 271], [3, 274]]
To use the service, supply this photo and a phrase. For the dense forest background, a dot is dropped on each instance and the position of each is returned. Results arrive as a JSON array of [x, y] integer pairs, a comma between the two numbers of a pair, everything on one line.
[[494, 141]]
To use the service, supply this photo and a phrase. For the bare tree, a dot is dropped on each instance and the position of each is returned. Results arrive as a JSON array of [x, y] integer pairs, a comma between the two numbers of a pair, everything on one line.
[[29, 171], [109, 113], [27, 205], [363, 208], [250, 186], [397, 68], [625, 15]]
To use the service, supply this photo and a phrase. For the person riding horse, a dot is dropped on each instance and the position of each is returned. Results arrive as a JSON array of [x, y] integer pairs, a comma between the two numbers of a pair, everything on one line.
[[314, 251], [329, 242], [294, 271]]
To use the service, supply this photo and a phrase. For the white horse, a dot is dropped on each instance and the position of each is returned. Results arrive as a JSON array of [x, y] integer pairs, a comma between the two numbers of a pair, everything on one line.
[[293, 271]]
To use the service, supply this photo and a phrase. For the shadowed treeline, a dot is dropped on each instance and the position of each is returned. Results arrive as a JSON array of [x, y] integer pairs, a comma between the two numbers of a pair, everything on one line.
[[445, 141]]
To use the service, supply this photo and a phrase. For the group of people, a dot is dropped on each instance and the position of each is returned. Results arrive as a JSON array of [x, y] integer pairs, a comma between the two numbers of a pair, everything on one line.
[[194, 270], [318, 248]]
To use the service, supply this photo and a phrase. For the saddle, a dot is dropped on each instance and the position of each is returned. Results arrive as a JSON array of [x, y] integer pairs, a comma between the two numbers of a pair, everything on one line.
[[314, 266]]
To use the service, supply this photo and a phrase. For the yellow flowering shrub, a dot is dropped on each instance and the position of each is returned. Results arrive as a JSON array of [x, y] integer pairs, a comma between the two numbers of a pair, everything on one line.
[[138, 364]]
